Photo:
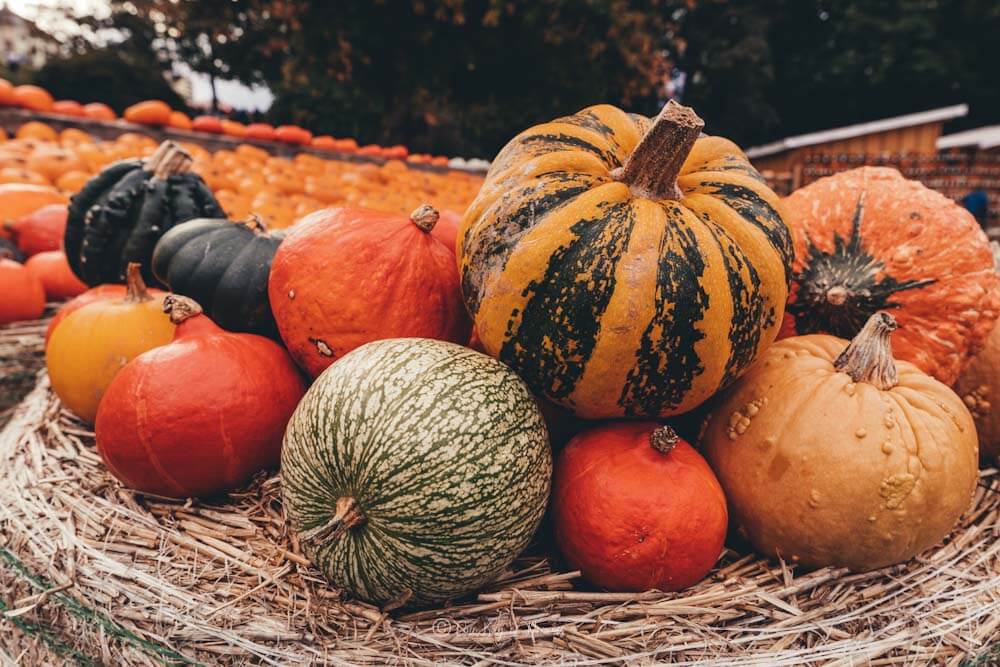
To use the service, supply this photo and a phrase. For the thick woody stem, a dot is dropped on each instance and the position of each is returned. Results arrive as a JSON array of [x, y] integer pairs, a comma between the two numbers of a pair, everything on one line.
[[425, 217], [868, 358], [180, 308], [663, 439], [651, 171], [135, 286], [254, 223], [168, 159]]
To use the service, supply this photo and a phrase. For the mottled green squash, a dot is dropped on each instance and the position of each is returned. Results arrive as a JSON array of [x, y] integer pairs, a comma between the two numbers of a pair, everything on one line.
[[415, 470]]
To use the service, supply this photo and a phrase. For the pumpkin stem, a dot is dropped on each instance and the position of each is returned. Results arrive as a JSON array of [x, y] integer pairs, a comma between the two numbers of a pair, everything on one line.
[[254, 223], [168, 159], [663, 439], [425, 217], [135, 286], [869, 356], [347, 515], [651, 171], [180, 308]]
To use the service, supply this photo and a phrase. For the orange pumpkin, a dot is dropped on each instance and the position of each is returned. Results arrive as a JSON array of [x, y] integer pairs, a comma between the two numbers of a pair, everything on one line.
[[54, 162], [324, 143], [149, 112], [22, 176], [93, 343], [41, 230], [33, 98], [68, 108], [868, 240], [72, 181], [17, 200], [446, 230], [344, 277], [99, 293], [347, 145], [232, 128], [179, 120], [36, 130], [207, 124], [99, 111], [292, 134], [635, 507], [22, 296], [71, 137], [58, 280], [7, 97], [261, 131]]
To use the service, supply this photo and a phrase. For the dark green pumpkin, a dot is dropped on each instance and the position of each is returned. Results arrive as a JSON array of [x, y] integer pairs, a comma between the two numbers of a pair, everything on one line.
[[121, 213], [224, 266]]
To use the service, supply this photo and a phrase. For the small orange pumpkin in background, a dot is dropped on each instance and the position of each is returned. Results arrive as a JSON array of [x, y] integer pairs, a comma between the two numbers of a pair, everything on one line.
[[868, 239], [7, 97], [232, 128], [200, 415], [324, 143], [72, 137], [53, 162], [94, 342], [292, 134], [17, 200], [22, 176], [68, 108], [261, 131], [635, 507], [36, 130], [73, 181], [99, 111], [41, 230], [207, 124], [58, 280], [22, 296], [344, 277], [179, 120], [149, 112], [33, 98]]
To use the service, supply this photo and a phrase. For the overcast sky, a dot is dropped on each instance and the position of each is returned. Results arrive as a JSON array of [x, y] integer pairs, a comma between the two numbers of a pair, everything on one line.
[[230, 92]]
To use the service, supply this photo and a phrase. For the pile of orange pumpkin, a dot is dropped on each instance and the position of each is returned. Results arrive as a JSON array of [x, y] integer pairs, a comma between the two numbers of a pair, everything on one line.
[[626, 272]]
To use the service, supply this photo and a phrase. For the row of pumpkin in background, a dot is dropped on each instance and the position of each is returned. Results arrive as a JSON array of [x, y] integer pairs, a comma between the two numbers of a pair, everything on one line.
[[427, 463], [157, 113]]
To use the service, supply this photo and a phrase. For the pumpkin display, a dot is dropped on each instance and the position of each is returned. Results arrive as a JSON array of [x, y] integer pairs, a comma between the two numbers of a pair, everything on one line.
[[94, 342], [224, 266], [58, 280], [148, 112], [347, 276], [22, 296], [833, 454], [979, 387], [868, 239], [41, 230], [99, 293], [415, 471], [200, 415], [624, 266], [635, 507], [118, 217]]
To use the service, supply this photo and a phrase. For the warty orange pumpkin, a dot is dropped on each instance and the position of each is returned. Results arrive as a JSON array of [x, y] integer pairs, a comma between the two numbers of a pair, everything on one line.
[[868, 239], [624, 266]]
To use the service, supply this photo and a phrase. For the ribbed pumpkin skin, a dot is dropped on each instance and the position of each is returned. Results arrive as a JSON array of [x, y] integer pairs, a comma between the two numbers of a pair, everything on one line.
[[445, 452], [611, 304], [224, 266], [868, 239]]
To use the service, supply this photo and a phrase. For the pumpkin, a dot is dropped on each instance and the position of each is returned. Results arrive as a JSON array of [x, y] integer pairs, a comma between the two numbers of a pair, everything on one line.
[[624, 266], [72, 136], [292, 134], [99, 111], [67, 108], [446, 229], [41, 230], [148, 112], [179, 120], [261, 131], [224, 266], [324, 143], [22, 296], [979, 386], [7, 97], [415, 471], [200, 415], [58, 280], [9, 250], [94, 342], [232, 128], [635, 507], [33, 98], [99, 293], [868, 239], [833, 454], [347, 276], [118, 217], [18, 200], [37, 130], [207, 124]]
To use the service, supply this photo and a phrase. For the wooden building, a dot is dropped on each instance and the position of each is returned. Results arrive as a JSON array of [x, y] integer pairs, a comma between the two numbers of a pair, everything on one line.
[[912, 134]]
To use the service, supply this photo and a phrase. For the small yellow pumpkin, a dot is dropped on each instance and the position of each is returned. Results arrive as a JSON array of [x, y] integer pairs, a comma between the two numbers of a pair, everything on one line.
[[835, 454], [92, 344]]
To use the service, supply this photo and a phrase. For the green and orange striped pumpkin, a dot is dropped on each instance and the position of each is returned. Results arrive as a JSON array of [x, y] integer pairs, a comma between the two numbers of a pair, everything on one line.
[[415, 470], [624, 266]]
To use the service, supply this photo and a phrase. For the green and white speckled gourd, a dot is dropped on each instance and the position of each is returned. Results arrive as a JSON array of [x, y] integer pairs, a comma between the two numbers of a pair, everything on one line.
[[415, 471]]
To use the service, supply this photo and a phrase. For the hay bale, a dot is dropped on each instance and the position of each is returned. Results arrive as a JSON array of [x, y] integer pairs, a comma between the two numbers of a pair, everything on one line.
[[92, 571]]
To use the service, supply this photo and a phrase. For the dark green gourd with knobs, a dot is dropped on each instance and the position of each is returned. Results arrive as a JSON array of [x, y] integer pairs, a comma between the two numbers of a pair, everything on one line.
[[121, 213], [224, 266], [415, 470]]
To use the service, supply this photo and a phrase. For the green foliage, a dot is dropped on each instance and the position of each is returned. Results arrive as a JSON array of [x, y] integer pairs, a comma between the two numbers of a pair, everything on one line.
[[107, 76]]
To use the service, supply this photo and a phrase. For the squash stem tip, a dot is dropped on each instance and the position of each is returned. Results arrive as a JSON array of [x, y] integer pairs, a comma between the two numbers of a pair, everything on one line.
[[347, 515], [135, 286], [868, 358], [168, 160], [425, 217], [663, 439], [180, 308], [652, 169]]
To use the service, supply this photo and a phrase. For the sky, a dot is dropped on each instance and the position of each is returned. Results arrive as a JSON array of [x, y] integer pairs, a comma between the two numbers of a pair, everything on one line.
[[230, 93]]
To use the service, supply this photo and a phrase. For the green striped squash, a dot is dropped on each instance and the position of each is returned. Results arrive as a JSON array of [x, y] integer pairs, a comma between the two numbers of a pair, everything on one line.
[[623, 266], [415, 470]]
